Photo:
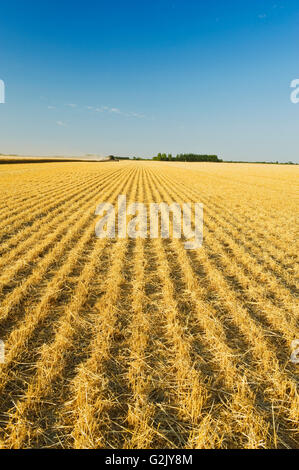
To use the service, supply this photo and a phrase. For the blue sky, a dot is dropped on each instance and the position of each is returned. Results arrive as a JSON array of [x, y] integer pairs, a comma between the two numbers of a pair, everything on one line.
[[148, 76]]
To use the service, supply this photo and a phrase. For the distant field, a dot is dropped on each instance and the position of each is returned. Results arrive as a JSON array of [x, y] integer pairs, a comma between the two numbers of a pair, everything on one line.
[[27, 159], [123, 343]]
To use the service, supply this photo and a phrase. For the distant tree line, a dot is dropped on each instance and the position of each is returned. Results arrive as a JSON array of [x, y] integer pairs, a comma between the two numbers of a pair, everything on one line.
[[187, 157], [113, 157]]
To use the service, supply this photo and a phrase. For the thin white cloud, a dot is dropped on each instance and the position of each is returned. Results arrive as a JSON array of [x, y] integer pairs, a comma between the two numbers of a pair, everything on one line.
[[262, 16], [137, 115], [101, 109], [115, 110], [123, 113]]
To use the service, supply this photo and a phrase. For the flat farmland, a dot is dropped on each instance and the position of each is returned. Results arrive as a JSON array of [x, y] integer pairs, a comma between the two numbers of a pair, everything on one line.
[[141, 343]]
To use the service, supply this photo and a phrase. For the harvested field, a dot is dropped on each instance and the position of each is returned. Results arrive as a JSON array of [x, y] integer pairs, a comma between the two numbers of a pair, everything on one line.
[[140, 343]]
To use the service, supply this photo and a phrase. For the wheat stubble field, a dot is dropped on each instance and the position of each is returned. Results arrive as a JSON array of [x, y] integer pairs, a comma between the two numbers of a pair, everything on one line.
[[124, 343]]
